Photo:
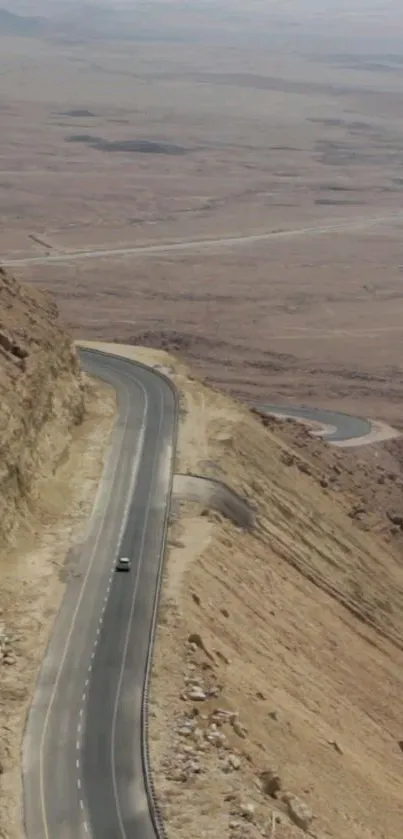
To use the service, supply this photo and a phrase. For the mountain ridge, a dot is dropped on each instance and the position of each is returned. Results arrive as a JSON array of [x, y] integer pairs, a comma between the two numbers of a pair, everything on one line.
[[14, 24]]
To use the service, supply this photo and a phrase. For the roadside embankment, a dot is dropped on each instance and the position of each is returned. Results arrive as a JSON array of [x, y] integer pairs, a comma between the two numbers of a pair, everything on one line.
[[278, 673], [54, 427]]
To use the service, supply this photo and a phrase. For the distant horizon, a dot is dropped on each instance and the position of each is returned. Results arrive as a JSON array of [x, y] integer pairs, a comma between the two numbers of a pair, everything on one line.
[[279, 7], [373, 27]]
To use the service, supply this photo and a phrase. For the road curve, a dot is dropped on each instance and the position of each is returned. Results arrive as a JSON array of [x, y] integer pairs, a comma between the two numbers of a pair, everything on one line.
[[85, 755], [335, 427], [338, 427]]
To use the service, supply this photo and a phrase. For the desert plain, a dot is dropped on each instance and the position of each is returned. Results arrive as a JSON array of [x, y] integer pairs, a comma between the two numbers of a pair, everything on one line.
[[220, 186], [199, 127]]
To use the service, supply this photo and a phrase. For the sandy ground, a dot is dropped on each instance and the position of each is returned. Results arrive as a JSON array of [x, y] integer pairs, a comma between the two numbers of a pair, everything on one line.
[[33, 578], [298, 629], [295, 135]]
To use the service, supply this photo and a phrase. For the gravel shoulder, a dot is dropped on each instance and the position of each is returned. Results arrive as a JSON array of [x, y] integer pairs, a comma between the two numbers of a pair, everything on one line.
[[275, 697], [34, 573]]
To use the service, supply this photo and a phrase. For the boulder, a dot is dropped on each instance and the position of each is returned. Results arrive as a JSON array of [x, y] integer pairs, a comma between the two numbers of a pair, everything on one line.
[[234, 762], [271, 782], [247, 811], [196, 694], [299, 812]]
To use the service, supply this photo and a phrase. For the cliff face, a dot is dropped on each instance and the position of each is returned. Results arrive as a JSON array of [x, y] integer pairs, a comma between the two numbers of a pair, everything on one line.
[[41, 397]]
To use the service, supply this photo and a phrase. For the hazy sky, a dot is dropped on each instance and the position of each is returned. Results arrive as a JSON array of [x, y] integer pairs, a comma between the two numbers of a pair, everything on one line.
[[363, 7], [346, 15], [299, 6]]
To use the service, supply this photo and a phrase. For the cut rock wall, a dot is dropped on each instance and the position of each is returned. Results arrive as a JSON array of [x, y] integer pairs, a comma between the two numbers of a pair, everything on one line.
[[41, 397]]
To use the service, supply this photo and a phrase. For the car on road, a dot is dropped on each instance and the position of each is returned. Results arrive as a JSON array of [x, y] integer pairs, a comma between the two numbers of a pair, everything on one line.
[[123, 564]]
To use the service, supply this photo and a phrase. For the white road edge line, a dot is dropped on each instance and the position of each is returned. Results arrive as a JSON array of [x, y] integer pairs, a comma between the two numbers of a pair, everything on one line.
[[127, 638], [68, 639], [132, 484], [83, 587]]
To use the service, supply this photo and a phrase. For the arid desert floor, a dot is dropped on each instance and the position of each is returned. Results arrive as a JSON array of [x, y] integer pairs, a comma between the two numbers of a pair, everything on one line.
[[202, 131]]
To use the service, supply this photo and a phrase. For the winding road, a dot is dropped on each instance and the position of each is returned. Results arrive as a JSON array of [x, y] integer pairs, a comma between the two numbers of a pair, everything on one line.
[[337, 427], [85, 758]]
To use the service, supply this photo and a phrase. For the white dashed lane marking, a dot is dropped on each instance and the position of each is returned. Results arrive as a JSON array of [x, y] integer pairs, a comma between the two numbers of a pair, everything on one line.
[[84, 695]]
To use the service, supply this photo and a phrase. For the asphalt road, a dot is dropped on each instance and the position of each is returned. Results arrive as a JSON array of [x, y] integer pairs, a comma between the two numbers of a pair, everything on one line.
[[211, 245], [85, 755], [343, 426]]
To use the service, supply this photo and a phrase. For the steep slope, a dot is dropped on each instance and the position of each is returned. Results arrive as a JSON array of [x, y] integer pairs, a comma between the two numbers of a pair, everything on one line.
[[301, 629], [278, 676], [42, 396], [54, 426]]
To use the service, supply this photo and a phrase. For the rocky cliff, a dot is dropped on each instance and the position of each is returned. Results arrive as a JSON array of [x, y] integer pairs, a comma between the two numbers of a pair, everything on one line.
[[41, 397]]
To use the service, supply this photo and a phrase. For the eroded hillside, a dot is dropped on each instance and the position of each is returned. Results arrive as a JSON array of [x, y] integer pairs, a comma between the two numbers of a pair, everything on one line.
[[284, 711], [54, 424], [42, 396], [278, 677]]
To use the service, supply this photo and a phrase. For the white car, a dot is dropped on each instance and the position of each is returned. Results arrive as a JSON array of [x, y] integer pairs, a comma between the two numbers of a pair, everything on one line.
[[123, 564]]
